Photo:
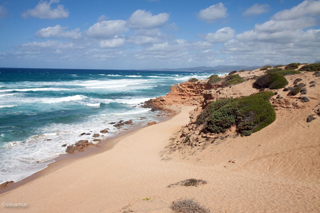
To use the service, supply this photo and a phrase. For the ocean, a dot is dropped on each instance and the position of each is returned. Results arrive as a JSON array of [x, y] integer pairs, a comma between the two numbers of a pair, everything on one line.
[[43, 109]]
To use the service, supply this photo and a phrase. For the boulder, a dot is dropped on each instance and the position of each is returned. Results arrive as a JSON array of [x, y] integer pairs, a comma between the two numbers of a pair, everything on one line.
[[305, 99], [70, 149], [128, 122], [104, 131], [96, 135], [311, 118], [151, 123]]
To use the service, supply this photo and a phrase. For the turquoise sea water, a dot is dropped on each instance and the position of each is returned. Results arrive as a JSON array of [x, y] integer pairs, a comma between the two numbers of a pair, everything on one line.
[[42, 109]]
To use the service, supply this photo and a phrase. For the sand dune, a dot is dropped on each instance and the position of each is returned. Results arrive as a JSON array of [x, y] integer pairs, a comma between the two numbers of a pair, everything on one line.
[[274, 170]]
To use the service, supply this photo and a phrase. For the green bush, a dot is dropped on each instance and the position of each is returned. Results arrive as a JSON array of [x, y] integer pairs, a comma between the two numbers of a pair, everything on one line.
[[232, 72], [233, 79], [249, 114], [292, 66], [188, 206], [277, 66], [193, 80], [271, 81], [265, 67], [283, 72], [213, 79], [295, 91], [311, 67]]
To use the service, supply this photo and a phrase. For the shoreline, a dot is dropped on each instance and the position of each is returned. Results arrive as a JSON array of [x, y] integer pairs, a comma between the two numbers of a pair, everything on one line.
[[105, 145]]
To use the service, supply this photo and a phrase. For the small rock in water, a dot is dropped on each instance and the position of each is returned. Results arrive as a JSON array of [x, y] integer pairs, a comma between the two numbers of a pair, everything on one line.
[[152, 123], [64, 145], [96, 135], [128, 122], [70, 149], [104, 131]]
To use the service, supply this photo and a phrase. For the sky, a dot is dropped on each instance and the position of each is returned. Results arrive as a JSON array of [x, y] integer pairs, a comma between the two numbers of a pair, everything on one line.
[[156, 34]]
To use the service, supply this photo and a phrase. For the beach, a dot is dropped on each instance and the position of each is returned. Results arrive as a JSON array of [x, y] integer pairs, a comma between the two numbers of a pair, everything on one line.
[[273, 170]]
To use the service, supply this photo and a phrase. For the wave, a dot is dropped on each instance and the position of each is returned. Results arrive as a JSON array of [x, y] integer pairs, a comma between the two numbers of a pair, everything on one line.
[[7, 106], [113, 75], [6, 95], [134, 76], [97, 105], [33, 89], [64, 99]]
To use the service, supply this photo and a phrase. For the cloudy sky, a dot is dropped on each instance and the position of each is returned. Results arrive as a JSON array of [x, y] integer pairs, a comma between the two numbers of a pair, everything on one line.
[[146, 34]]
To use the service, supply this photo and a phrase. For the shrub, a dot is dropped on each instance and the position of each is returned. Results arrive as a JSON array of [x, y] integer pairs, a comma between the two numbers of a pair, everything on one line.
[[189, 182], [277, 66], [292, 66], [233, 79], [283, 72], [188, 206], [294, 91], [311, 67], [213, 79], [250, 114], [232, 72], [271, 81], [192, 80], [265, 67]]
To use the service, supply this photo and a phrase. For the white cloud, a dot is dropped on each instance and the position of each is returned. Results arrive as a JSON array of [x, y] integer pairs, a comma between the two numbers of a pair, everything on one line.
[[43, 11], [102, 18], [3, 12], [146, 37], [221, 36], [256, 9], [107, 29], [112, 43], [143, 19], [305, 8], [213, 13], [58, 31], [45, 45]]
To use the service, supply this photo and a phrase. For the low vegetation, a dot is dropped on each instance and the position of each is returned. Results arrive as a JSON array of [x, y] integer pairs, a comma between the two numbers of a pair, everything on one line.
[[292, 66], [232, 72], [213, 79], [311, 67], [294, 91], [283, 72], [271, 81], [249, 114], [265, 67], [189, 182], [233, 79], [188, 206], [193, 80]]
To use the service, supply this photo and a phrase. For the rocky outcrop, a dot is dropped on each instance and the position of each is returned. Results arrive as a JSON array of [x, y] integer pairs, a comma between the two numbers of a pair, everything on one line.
[[187, 93], [80, 146]]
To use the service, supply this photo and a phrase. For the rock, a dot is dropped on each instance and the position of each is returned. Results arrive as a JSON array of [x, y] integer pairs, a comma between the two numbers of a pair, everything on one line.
[[311, 118], [128, 122], [305, 99], [297, 80], [317, 74], [82, 134], [312, 82], [312, 85], [151, 123], [232, 72], [318, 111], [303, 91], [98, 140], [104, 131], [112, 123], [70, 149], [64, 145], [279, 97], [5, 184], [96, 135], [301, 85], [162, 99]]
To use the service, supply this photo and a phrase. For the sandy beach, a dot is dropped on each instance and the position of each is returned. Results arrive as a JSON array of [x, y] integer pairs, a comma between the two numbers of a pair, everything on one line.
[[274, 170]]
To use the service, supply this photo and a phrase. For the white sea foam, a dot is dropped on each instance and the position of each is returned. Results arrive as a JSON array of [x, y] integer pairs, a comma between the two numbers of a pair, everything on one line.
[[113, 75], [134, 76], [7, 106], [6, 95], [64, 99], [33, 89], [97, 105]]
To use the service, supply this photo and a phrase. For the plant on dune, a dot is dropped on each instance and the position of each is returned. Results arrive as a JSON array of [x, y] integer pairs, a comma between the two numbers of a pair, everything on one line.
[[265, 67], [233, 79], [249, 114], [283, 72], [311, 67], [188, 206], [292, 66], [193, 80], [271, 81], [213, 79]]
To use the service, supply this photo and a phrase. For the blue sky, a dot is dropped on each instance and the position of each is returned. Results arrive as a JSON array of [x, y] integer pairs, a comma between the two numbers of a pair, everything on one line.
[[148, 34]]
